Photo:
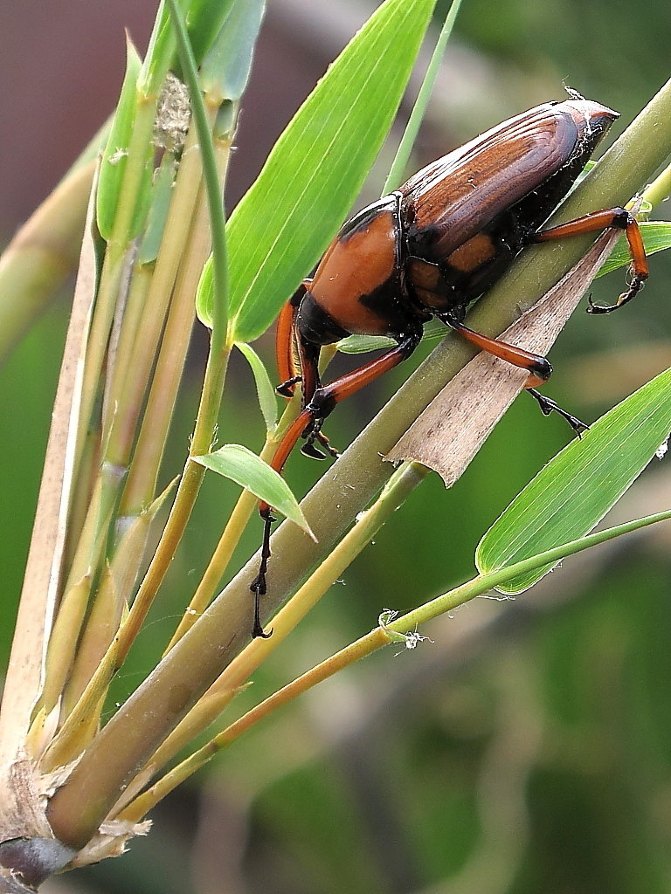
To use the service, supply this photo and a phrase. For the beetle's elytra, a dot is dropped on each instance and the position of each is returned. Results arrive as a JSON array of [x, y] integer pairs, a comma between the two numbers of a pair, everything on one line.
[[430, 249]]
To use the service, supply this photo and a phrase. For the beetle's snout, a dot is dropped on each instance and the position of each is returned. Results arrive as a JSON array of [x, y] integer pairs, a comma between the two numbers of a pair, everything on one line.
[[592, 116]]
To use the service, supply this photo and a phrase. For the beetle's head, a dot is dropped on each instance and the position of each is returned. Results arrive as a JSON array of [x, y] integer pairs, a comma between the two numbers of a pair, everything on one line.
[[591, 118]]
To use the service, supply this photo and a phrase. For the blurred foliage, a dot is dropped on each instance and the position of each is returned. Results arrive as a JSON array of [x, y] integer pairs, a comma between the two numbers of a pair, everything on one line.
[[533, 754], [609, 46], [27, 389]]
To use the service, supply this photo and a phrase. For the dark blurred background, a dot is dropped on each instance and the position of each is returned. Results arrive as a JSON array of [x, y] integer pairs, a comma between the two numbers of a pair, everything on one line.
[[528, 746]]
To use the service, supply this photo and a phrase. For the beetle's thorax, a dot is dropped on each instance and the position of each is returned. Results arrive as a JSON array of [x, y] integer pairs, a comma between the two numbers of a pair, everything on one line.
[[359, 286]]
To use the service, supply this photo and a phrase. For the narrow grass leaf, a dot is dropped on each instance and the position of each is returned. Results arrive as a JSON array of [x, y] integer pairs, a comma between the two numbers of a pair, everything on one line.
[[578, 487], [248, 470], [204, 21], [225, 69], [210, 177], [161, 194], [114, 158], [317, 167], [264, 387]]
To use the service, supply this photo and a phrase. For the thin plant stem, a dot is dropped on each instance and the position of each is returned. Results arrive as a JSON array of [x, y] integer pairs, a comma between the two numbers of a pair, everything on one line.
[[214, 196], [395, 631], [400, 162]]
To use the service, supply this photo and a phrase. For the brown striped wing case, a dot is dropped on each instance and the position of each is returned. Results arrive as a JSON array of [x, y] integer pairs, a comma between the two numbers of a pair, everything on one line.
[[537, 154]]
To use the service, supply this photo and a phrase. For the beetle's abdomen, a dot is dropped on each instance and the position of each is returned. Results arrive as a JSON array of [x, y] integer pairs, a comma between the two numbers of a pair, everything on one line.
[[467, 272]]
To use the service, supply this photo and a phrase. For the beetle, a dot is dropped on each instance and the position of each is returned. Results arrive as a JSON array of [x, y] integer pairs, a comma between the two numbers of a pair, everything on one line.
[[431, 248]]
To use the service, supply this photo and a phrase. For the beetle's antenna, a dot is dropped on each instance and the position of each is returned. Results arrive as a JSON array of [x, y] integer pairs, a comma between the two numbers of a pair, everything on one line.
[[572, 94]]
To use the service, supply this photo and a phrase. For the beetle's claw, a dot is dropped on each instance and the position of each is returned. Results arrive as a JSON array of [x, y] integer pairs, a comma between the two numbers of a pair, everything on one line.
[[593, 308], [548, 406], [326, 444], [635, 286], [308, 449], [578, 426], [286, 389], [259, 633]]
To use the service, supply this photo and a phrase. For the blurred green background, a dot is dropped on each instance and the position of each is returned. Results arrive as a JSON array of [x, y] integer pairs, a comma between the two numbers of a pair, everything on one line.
[[528, 746]]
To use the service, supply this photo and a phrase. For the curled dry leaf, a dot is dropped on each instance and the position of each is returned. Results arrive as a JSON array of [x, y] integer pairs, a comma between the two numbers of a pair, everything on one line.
[[451, 430]]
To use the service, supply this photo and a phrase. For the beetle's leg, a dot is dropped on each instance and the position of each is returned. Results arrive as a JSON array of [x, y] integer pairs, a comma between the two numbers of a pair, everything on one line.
[[548, 406], [316, 434], [322, 402], [309, 359], [258, 585], [308, 355], [617, 218], [538, 367], [284, 342], [326, 398]]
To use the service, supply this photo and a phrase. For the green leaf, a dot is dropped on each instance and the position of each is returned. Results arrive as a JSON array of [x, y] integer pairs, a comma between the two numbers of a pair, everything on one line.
[[114, 157], [225, 70], [161, 52], [161, 193], [264, 387], [317, 167], [360, 344], [550, 557], [248, 470], [656, 237], [204, 21], [576, 489]]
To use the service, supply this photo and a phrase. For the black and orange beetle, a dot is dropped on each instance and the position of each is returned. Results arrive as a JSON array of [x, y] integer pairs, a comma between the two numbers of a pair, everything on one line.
[[431, 248]]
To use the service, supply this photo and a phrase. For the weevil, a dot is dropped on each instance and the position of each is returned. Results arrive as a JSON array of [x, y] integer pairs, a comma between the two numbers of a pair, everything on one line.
[[431, 248]]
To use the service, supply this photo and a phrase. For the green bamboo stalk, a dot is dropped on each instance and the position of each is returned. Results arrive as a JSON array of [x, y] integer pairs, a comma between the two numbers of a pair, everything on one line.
[[150, 446]]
